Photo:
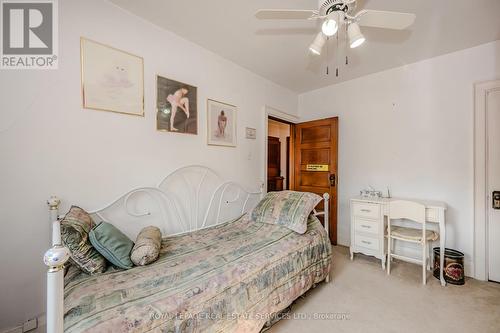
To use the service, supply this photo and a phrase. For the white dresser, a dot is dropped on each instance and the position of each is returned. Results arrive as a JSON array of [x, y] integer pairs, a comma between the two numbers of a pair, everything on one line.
[[368, 225], [367, 228]]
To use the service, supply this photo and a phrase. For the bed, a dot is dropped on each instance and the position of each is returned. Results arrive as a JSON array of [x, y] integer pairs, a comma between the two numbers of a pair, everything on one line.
[[218, 271]]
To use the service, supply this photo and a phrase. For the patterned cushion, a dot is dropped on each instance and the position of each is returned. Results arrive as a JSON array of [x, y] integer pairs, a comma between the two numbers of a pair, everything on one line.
[[147, 246], [413, 234], [286, 208], [75, 228]]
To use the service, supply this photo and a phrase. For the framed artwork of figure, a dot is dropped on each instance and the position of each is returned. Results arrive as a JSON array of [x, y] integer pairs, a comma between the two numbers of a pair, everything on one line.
[[221, 121], [177, 109]]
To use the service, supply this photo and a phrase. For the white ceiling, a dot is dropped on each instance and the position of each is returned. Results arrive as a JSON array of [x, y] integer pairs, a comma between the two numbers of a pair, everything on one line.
[[278, 50]]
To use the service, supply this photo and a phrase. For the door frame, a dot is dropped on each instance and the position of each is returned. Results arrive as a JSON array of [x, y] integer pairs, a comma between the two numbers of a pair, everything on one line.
[[270, 112], [481, 192]]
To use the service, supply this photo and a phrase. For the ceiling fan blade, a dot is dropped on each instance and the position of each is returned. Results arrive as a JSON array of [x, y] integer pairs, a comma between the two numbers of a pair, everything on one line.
[[386, 20], [285, 14]]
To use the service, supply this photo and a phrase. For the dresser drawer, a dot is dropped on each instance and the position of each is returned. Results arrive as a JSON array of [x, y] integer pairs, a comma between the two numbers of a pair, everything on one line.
[[366, 242], [368, 210], [364, 225]]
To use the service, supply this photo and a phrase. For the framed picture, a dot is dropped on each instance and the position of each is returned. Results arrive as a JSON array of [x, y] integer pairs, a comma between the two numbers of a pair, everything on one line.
[[112, 80], [221, 121], [177, 108]]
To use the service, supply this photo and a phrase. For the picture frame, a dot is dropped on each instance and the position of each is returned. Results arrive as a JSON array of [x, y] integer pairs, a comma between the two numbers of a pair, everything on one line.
[[111, 79], [221, 123], [176, 106]]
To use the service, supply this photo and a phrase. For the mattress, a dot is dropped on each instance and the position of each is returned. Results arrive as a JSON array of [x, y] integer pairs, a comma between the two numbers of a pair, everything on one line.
[[228, 278]]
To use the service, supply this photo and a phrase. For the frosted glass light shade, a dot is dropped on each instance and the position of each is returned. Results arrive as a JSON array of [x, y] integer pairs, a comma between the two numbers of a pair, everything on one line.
[[318, 44], [329, 27], [356, 38]]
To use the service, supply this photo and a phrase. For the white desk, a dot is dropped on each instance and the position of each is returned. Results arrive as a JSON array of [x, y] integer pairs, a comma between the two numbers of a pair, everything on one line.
[[368, 225]]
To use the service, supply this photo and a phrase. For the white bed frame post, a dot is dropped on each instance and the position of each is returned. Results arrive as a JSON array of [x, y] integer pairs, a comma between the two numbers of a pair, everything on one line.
[[326, 214], [326, 197], [55, 258], [326, 209]]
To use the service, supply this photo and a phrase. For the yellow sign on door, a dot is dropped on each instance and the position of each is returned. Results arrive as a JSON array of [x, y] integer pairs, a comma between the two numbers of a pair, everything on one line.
[[317, 167]]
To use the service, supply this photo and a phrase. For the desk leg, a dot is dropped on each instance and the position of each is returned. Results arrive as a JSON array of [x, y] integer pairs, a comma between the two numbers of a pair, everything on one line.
[[442, 242]]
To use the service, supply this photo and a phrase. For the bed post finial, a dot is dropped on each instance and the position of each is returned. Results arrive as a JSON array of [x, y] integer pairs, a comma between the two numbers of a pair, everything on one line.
[[56, 257], [53, 203]]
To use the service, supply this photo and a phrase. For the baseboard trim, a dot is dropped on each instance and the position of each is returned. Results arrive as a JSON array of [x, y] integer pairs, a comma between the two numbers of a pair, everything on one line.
[[41, 328]]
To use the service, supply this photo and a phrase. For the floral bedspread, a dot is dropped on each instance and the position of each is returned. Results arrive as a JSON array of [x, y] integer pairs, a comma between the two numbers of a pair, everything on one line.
[[227, 278]]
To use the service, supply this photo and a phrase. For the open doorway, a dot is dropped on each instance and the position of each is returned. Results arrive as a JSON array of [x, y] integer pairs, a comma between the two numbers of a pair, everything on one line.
[[303, 156], [278, 155]]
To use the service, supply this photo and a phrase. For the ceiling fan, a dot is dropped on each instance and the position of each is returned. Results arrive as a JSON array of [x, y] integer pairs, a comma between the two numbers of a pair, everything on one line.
[[335, 14]]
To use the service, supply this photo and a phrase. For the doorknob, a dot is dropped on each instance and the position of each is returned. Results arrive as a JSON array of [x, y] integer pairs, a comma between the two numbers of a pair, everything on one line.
[[496, 199], [333, 180]]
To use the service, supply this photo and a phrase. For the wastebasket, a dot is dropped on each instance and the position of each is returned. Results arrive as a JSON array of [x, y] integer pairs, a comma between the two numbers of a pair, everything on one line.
[[453, 266]]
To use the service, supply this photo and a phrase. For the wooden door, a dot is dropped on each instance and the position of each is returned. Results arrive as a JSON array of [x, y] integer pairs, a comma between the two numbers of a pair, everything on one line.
[[315, 147]]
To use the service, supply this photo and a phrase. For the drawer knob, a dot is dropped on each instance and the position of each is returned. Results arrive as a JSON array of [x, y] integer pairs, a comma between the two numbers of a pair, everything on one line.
[[366, 242], [365, 226], [366, 210]]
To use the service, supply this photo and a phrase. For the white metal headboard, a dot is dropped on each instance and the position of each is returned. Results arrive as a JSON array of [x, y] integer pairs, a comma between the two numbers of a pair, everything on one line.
[[189, 199]]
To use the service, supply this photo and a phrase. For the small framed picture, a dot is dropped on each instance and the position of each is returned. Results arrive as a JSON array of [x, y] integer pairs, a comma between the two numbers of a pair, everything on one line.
[[221, 123], [112, 79], [176, 104]]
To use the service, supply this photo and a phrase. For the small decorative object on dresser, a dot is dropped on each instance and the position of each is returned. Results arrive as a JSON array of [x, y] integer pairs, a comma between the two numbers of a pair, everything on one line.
[[221, 123], [370, 192], [176, 106]]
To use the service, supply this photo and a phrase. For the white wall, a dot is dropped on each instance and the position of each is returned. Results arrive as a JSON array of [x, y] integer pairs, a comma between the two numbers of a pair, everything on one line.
[[410, 128], [50, 145]]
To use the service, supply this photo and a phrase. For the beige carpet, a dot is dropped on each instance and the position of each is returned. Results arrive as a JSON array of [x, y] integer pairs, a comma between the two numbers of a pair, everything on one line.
[[362, 298]]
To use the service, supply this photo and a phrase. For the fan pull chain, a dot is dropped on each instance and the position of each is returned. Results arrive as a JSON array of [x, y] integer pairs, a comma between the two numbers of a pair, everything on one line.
[[327, 49], [337, 57], [346, 48]]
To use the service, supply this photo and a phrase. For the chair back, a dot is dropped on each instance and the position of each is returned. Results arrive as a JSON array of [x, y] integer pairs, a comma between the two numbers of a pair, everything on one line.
[[402, 209]]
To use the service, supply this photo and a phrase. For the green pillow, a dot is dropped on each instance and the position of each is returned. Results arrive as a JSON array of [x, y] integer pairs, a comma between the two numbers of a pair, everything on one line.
[[112, 244]]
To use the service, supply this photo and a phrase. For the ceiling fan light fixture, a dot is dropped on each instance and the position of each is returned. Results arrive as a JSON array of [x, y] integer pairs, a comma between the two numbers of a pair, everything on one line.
[[330, 27], [317, 44], [356, 38]]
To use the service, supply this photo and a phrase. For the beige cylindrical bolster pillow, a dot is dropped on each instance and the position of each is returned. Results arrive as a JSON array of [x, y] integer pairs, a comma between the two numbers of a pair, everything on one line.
[[147, 246]]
